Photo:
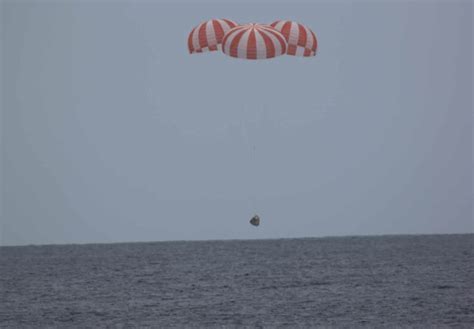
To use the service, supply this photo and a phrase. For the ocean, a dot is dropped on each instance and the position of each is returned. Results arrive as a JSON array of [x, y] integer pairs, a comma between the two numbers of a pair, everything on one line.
[[424, 281]]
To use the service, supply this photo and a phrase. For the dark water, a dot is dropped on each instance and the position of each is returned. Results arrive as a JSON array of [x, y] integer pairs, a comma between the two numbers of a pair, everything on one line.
[[389, 281]]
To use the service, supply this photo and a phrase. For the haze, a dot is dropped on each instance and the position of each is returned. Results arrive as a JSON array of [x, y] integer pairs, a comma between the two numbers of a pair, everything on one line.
[[112, 132]]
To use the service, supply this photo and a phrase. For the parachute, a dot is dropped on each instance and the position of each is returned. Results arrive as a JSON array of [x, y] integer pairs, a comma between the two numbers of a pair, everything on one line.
[[301, 40], [208, 35], [255, 221], [254, 41]]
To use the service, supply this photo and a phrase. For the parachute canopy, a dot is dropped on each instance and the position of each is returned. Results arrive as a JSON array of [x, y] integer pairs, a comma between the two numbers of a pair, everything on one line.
[[301, 40], [208, 35], [255, 221], [254, 41]]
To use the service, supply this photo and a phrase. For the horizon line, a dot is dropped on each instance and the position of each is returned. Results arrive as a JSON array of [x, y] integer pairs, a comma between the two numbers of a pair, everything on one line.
[[235, 239]]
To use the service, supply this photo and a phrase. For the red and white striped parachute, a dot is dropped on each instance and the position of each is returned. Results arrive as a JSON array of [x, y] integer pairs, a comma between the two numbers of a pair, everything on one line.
[[208, 35], [301, 40], [254, 41]]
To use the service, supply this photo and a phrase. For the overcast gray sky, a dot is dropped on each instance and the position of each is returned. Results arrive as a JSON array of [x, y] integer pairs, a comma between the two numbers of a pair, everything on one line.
[[111, 131]]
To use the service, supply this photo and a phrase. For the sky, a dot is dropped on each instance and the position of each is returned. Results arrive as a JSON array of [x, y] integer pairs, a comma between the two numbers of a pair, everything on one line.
[[111, 131]]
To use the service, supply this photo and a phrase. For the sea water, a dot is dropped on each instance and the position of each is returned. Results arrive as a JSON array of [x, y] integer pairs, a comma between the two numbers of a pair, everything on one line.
[[385, 281]]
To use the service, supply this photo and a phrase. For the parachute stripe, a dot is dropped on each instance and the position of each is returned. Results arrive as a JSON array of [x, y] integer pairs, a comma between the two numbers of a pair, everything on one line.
[[230, 24], [314, 46], [293, 36], [251, 45], [210, 34], [310, 39], [196, 45], [260, 46], [190, 41], [218, 30], [302, 36], [285, 30], [202, 35]]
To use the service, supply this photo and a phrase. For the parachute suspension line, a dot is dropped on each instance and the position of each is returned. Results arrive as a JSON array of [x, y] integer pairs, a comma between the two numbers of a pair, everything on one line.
[[255, 174], [255, 161], [250, 164]]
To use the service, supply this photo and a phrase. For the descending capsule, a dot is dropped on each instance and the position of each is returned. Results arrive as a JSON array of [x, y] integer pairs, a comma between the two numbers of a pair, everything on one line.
[[255, 221]]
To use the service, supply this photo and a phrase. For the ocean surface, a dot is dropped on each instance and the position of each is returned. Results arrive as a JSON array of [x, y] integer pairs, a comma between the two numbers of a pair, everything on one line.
[[343, 282]]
